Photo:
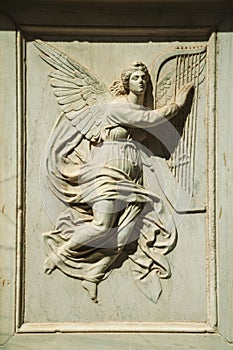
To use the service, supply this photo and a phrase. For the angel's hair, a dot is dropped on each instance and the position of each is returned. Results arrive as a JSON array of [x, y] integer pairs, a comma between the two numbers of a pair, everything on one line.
[[121, 87]]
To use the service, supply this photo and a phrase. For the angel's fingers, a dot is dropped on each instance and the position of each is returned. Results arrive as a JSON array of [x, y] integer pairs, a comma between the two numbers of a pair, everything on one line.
[[181, 90], [189, 87]]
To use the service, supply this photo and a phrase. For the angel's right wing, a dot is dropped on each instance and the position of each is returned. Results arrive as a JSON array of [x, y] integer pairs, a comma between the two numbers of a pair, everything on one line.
[[80, 94]]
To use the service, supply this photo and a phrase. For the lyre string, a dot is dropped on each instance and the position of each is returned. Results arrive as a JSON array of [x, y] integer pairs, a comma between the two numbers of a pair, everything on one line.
[[187, 70], [177, 87], [187, 130], [177, 154], [187, 126], [194, 131], [183, 148], [190, 118]]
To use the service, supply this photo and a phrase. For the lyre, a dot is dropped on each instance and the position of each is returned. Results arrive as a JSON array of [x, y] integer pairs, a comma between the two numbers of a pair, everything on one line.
[[170, 72]]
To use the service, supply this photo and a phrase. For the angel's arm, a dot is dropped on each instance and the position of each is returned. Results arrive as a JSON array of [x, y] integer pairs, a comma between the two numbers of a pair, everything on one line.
[[144, 118]]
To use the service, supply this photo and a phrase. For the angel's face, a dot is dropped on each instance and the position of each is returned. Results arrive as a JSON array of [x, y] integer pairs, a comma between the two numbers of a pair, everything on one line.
[[138, 82]]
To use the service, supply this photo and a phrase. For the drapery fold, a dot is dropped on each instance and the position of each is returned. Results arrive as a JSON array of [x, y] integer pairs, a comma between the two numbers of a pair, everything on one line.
[[81, 174]]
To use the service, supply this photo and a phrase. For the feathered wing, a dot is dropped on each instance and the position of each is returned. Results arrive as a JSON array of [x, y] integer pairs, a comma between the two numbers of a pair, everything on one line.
[[182, 67], [80, 94]]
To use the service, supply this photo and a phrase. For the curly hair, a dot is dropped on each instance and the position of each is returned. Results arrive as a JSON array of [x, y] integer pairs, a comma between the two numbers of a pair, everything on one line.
[[121, 87]]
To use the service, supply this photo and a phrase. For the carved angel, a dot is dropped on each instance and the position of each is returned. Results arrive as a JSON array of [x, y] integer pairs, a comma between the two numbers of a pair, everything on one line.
[[95, 165]]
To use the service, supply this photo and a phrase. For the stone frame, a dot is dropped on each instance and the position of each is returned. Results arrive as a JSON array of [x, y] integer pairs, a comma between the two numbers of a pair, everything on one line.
[[216, 335]]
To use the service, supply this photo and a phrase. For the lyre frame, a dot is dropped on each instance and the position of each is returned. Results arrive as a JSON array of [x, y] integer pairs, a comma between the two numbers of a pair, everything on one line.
[[189, 64]]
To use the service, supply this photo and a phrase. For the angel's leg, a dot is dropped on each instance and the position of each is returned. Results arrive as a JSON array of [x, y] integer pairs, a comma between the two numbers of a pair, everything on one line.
[[105, 225], [106, 212], [105, 215]]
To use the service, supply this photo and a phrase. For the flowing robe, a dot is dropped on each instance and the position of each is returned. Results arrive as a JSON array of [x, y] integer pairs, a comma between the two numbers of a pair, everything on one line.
[[82, 174]]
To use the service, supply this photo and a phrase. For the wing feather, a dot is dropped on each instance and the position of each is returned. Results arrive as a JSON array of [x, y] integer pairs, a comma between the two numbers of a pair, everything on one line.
[[65, 92], [76, 116], [54, 56], [76, 119], [87, 95], [54, 64], [90, 123], [74, 107], [69, 99], [77, 90], [62, 84], [62, 77]]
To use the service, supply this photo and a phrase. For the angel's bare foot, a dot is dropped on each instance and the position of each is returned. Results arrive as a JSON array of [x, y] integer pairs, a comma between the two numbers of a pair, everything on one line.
[[49, 266], [91, 288]]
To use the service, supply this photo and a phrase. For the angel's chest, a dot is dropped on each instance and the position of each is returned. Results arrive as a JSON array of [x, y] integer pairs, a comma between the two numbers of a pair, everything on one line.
[[122, 132]]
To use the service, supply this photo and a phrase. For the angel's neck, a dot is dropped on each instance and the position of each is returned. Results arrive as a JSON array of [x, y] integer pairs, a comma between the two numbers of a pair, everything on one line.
[[136, 99]]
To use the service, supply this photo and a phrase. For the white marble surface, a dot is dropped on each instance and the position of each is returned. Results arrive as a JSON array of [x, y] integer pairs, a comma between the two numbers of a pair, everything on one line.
[[57, 299], [120, 299]]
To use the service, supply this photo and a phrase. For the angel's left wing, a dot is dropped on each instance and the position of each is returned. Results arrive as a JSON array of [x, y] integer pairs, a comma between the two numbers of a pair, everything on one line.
[[79, 93]]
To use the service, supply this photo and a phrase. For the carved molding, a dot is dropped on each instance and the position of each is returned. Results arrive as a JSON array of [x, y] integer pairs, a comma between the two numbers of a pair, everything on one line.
[[117, 327], [211, 260], [118, 33]]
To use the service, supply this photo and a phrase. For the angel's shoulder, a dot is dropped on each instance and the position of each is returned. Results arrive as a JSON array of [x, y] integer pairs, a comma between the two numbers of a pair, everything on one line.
[[119, 100], [122, 102]]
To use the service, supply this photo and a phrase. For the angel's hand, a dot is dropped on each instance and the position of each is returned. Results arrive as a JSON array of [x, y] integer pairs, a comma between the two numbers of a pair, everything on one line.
[[182, 95]]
